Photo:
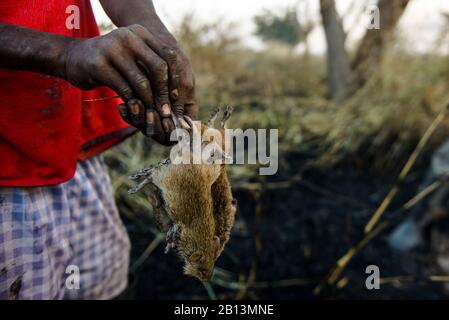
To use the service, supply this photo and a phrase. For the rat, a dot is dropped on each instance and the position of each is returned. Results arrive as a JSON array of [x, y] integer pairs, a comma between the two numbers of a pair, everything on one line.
[[193, 203]]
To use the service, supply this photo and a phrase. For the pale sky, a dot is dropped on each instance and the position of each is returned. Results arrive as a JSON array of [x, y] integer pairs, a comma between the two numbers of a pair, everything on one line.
[[420, 24]]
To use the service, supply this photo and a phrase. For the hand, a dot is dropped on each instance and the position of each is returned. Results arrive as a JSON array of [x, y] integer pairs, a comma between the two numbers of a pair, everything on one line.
[[181, 80], [124, 61], [148, 121], [182, 87]]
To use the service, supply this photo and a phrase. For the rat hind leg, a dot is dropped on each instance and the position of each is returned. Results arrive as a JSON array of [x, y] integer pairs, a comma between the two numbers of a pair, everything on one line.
[[161, 217], [150, 174], [213, 117], [145, 171], [139, 186], [172, 237], [226, 115]]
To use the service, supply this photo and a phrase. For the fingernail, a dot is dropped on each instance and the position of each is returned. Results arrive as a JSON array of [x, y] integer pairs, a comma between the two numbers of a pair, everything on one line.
[[183, 123], [166, 110], [150, 123], [135, 108], [175, 94]]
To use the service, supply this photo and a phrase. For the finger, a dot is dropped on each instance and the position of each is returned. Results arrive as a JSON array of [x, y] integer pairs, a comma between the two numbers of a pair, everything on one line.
[[137, 79], [169, 55], [175, 88], [177, 99], [116, 82], [185, 92], [148, 50], [179, 80], [150, 128], [159, 134], [136, 112], [183, 123], [163, 50], [168, 125], [158, 74], [191, 109], [154, 126], [122, 109], [174, 76]]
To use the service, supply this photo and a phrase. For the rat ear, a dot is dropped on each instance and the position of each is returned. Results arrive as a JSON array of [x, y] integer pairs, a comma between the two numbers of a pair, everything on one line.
[[197, 256], [234, 206], [217, 242]]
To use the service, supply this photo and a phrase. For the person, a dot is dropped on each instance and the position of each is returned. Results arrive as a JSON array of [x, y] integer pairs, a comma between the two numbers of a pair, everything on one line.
[[60, 232]]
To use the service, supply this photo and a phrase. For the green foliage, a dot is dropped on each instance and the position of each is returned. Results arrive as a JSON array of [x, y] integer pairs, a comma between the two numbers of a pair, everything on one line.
[[284, 28]]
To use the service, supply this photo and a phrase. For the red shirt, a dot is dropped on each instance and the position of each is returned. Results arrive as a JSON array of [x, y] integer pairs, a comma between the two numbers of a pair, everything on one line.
[[45, 124]]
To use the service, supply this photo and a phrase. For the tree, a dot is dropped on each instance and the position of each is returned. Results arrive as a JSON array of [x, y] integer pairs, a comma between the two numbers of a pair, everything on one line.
[[339, 69], [284, 28], [344, 77], [371, 48]]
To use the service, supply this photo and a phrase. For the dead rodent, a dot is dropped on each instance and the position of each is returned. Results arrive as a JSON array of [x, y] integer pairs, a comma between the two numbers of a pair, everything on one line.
[[193, 203]]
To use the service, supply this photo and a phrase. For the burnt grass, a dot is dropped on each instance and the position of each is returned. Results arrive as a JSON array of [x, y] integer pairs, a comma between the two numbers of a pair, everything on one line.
[[304, 229]]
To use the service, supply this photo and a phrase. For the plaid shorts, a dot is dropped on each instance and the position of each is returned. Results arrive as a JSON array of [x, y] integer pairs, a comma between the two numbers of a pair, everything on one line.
[[63, 241]]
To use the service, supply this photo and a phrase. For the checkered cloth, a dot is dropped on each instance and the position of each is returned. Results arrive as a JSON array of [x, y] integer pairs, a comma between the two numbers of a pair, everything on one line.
[[49, 235]]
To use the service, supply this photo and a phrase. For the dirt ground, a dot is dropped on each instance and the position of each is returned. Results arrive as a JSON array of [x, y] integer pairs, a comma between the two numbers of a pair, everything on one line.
[[303, 230]]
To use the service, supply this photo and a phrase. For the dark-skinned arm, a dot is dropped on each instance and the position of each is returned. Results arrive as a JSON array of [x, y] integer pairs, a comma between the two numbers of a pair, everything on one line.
[[121, 60], [30, 50]]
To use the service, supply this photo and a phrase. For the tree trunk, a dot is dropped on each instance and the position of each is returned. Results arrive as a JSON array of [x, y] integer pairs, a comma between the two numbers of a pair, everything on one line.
[[339, 70], [369, 54]]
